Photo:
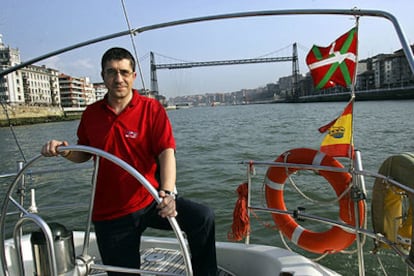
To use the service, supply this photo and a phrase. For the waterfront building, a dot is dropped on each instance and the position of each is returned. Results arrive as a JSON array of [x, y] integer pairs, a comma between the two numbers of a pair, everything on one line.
[[100, 90], [89, 91], [40, 85], [382, 66], [392, 70], [402, 75], [286, 86], [31, 85], [75, 92], [11, 86]]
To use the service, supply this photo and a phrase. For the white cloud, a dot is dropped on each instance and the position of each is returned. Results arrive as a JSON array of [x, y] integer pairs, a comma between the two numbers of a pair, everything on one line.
[[81, 64], [53, 62]]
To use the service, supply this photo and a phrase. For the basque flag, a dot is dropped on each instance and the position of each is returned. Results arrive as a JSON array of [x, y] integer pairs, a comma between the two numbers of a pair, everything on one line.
[[338, 140], [335, 64]]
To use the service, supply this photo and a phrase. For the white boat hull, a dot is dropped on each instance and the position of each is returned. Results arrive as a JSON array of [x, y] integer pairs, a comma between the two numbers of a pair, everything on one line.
[[237, 258]]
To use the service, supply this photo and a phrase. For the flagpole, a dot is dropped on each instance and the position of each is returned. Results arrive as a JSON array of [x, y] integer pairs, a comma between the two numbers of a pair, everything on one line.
[[353, 83], [358, 183]]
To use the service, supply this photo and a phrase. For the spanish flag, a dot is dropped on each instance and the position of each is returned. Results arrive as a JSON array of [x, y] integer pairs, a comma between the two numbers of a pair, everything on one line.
[[338, 140]]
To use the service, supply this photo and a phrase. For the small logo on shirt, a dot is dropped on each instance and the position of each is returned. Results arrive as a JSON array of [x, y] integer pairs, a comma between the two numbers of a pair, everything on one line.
[[131, 134]]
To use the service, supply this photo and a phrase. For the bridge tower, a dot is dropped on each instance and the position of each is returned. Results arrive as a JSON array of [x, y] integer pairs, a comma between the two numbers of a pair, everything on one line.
[[154, 81], [295, 72]]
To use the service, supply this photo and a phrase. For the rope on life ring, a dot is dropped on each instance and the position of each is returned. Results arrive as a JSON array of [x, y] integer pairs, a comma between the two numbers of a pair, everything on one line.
[[332, 240]]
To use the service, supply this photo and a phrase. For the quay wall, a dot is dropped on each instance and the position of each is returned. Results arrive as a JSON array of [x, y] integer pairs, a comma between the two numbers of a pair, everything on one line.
[[23, 115], [368, 95]]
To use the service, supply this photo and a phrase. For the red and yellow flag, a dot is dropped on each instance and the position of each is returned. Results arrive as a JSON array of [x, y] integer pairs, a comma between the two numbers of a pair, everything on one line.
[[335, 64], [338, 140]]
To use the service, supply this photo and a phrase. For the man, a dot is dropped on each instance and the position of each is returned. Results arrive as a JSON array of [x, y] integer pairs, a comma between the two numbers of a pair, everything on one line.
[[137, 130]]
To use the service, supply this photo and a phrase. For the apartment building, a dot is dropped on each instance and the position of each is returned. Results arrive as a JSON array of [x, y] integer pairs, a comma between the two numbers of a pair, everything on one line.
[[76, 92], [11, 86], [100, 90], [32, 85], [40, 85]]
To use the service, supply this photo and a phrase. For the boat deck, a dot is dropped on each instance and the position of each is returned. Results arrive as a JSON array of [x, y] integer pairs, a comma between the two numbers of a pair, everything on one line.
[[164, 261]]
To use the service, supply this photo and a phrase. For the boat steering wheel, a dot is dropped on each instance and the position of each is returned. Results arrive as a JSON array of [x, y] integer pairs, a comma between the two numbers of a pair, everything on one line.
[[84, 262]]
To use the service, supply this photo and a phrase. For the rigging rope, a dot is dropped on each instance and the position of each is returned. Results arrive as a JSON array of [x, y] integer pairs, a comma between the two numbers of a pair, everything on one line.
[[241, 222], [292, 182], [131, 35], [12, 131]]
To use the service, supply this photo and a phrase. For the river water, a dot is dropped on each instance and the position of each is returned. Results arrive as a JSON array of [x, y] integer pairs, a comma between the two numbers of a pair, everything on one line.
[[211, 142]]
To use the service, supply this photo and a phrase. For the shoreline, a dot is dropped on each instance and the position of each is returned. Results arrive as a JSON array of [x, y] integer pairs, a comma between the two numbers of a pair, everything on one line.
[[17, 115], [37, 120], [29, 115]]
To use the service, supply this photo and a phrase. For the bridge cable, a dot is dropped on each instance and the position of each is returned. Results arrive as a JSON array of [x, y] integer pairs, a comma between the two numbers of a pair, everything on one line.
[[276, 51]]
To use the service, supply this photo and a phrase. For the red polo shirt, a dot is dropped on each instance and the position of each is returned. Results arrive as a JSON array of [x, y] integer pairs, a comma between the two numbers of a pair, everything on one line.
[[137, 135]]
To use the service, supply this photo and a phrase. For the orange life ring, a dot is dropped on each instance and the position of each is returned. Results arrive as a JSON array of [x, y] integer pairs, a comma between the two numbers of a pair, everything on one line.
[[334, 239]]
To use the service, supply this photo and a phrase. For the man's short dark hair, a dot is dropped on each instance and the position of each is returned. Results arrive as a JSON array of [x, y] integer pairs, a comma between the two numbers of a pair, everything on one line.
[[117, 53]]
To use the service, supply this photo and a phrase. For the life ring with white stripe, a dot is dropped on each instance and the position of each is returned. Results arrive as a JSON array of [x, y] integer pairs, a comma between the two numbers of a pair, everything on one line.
[[332, 240]]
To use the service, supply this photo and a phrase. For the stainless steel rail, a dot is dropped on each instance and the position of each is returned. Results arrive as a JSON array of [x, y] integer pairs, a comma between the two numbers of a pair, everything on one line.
[[26, 216], [294, 12], [358, 174]]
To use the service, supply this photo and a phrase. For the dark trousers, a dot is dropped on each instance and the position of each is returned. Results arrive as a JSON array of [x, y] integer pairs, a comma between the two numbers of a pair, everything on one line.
[[119, 240]]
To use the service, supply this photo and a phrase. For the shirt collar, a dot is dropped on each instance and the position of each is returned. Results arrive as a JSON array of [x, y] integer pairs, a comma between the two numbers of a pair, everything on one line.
[[133, 102]]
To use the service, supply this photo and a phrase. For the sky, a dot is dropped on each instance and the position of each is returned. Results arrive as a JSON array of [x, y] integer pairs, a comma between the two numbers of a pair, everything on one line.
[[39, 27]]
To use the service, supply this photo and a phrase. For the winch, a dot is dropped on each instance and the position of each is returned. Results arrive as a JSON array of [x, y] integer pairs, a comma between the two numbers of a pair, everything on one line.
[[63, 246]]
